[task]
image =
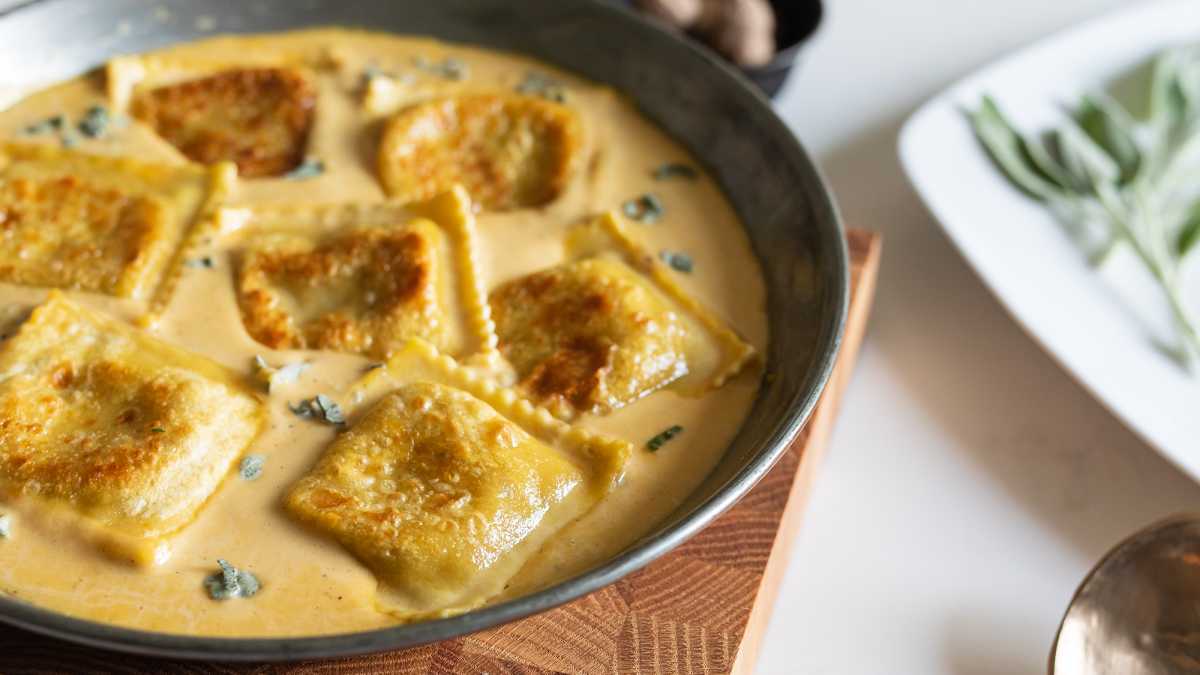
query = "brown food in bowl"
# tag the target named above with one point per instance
(258, 118)
(509, 151)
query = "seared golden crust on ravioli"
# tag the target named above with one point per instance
(609, 326)
(363, 290)
(509, 151)
(128, 432)
(63, 232)
(590, 333)
(431, 489)
(258, 118)
(447, 484)
(93, 223)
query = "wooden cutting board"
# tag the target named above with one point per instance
(701, 609)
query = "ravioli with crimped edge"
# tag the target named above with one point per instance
(361, 278)
(446, 484)
(509, 150)
(102, 224)
(255, 112)
(609, 326)
(125, 434)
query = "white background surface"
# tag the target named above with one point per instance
(970, 483)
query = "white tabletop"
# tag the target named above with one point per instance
(970, 483)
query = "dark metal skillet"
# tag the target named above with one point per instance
(775, 188)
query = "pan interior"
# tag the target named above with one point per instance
(773, 186)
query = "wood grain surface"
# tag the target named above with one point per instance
(701, 609)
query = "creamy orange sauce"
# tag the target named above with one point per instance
(310, 585)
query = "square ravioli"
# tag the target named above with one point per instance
(257, 112)
(362, 278)
(101, 224)
(446, 484)
(128, 432)
(510, 151)
(609, 326)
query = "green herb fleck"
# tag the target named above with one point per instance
(451, 68)
(331, 411)
(374, 366)
(454, 69)
(69, 139)
(251, 467)
(680, 262)
(1189, 232)
(539, 84)
(46, 126)
(231, 582)
(657, 442)
(205, 263)
(311, 167)
(371, 72)
(95, 122)
(320, 407)
(675, 170)
(303, 409)
(157, 430)
(645, 209)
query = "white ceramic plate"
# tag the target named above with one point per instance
(1101, 325)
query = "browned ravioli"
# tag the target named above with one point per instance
(440, 495)
(258, 118)
(590, 333)
(509, 151)
(360, 290)
(62, 231)
(130, 433)
(101, 224)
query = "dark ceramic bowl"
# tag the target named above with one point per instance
(795, 23)
(707, 105)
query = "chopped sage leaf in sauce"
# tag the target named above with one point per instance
(375, 365)
(47, 125)
(311, 167)
(251, 467)
(664, 436)
(675, 170)
(231, 582)
(680, 262)
(95, 122)
(157, 430)
(331, 411)
(451, 68)
(538, 84)
(371, 72)
(320, 407)
(5, 526)
(646, 209)
(301, 409)
(205, 262)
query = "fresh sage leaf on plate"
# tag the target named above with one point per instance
(1009, 150)
(1112, 129)
(1114, 180)
(1189, 234)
